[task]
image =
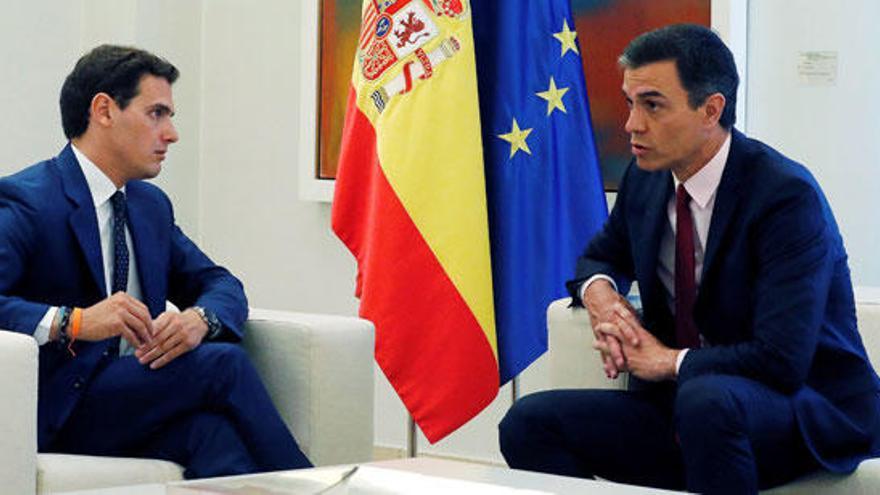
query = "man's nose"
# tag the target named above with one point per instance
(635, 122)
(170, 135)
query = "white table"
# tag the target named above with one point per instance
(313, 480)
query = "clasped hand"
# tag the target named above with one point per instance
(622, 341)
(156, 342)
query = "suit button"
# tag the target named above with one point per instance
(106, 353)
(78, 383)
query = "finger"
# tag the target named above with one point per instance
(608, 330)
(611, 370)
(616, 352)
(138, 317)
(142, 313)
(611, 336)
(169, 356)
(162, 344)
(602, 347)
(137, 327)
(628, 333)
(130, 337)
(171, 326)
(162, 322)
(607, 362)
(613, 358)
(627, 324)
(148, 355)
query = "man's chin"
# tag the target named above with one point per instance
(152, 171)
(649, 165)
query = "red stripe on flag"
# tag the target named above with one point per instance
(428, 342)
(367, 25)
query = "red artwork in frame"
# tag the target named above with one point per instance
(604, 29)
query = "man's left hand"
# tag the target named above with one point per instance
(648, 359)
(175, 334)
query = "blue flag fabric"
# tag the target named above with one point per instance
(544, 188)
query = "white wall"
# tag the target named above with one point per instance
(40, 41)
(834, 130)
(32, 77)
(251, 218)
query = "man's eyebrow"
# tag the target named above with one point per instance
(161, 106)
(650, 93)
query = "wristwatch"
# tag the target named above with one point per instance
(210, 319)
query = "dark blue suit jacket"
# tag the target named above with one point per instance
(775, 300)
(50, 255)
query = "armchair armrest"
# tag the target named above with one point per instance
(319, 372)
(572, 361)
(18, 419)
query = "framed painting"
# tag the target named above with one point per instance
(340, 26)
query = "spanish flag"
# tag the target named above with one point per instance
(410, 204)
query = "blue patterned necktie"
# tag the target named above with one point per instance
(120, 247)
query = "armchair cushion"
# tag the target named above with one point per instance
(319, 372)
(18, 419)
(64, 472)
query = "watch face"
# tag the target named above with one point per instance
(213, 323)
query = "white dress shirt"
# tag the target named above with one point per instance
(702, 188)
(101, 189)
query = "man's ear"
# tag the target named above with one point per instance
(713, 108)
(101, 109)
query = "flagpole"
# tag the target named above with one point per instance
(514, 388)
(412, 443)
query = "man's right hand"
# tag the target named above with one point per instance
(119, 314)
(602, 301)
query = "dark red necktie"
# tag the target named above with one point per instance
(686, 332)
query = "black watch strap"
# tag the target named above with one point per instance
(210, 319)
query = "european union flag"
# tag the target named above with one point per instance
(543, 184)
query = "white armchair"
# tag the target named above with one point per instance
(571, 362)
(317, 368)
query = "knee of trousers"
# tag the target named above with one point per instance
(706, 408)
(219, 354)
(210, 425)
(214, 361)
(524, 421)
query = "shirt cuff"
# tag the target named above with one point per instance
(41, 333)
(679, 359)
(598, 276)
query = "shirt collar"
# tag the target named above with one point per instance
(99, 184)
(702, 185)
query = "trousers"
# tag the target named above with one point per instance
(207, 410)
(712, 434)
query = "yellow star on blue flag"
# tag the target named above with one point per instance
(553, 95)
(517, 139)
(566, 37)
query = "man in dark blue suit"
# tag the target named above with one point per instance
(746, 366)
(89, 255)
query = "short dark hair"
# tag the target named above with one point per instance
(112, 69)
(705, 64)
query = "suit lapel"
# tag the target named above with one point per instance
(83, 219)
(143, 236)
(725, 202)
(652, 231)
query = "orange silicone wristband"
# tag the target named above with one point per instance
(75, 324)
